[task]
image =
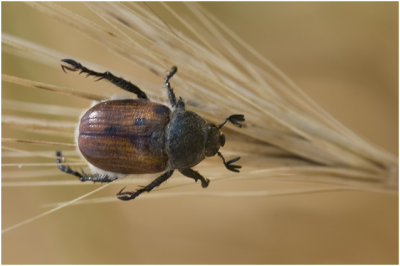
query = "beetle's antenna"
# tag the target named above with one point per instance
(229, 165)
(234, 119)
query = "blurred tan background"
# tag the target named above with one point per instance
(344, 55)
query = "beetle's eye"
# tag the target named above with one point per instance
(222, 139)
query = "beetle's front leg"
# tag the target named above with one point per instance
(81, 175)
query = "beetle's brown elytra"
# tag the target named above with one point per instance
(137, 136)
(140, 121)
(124, 136)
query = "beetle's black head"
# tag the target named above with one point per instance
(215, 140)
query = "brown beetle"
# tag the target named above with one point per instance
(136, 136)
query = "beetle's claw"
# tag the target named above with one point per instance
(172, 72)
(72, 65)
(127, 195)
(120, 192)
(205, 183)
(124, 198)
(63, 67)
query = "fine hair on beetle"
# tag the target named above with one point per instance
(138, 136)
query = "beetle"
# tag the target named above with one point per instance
(136, 136)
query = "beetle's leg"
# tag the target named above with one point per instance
(196, 176)
(171, 94)
(127, 195)
(229, 165)
(82, 176)
(120, 82)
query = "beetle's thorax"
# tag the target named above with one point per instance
(185, 139)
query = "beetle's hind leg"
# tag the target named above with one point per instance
(128, 195)
(81, 175)
(120, 82)
(196, 176)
